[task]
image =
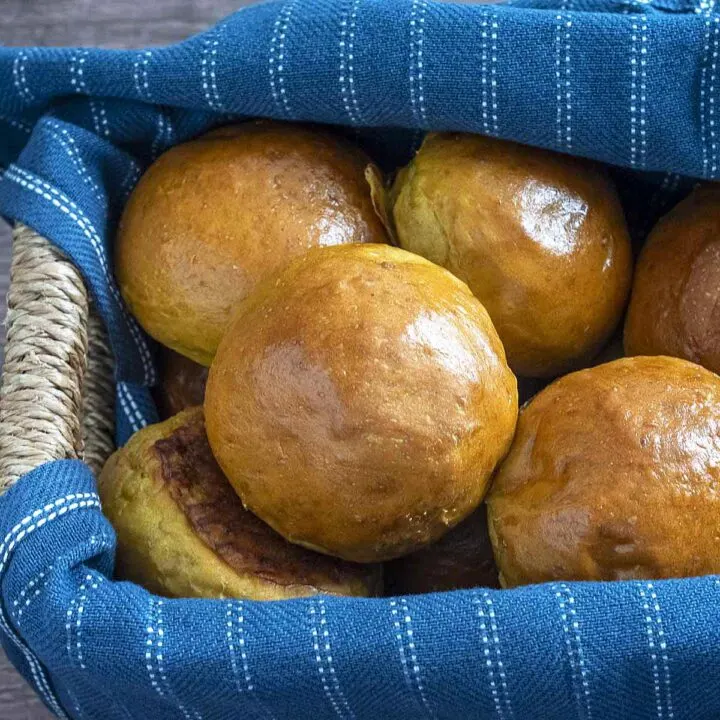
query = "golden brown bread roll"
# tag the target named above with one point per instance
(614, 474)
(675, 304)
(212, 217)
(183, 532)
(540, 238)
(182, 384)
(461, 559)
(360, 401)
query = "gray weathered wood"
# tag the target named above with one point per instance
(108, 23)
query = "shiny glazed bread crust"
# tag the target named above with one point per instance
(540, 238)
(212, 217)
(614, 474)
(675, 305)
(183, 532)
(360, 402)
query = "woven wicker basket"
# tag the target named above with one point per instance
(57, 394)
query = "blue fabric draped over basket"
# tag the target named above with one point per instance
(634, 83)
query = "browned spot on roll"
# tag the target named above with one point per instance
(248, 545)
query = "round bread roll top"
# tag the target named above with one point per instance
(540, 238)
(360, 401)
(182, 384)
(461, 559)
(614, 474)
(183, 532)
(675, 304)
(212, 217)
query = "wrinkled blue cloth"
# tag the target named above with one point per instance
(635, 84)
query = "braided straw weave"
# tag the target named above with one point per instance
(57, 396)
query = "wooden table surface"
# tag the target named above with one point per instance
(108, 23)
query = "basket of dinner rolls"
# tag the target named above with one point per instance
(333, 419)
(438, 379)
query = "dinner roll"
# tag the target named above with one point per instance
(183, 532)
(540, 238)
(360, 402)
(614, 474)
(212, 217)
(675, 305)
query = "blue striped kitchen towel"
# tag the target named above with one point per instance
(634, 83)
